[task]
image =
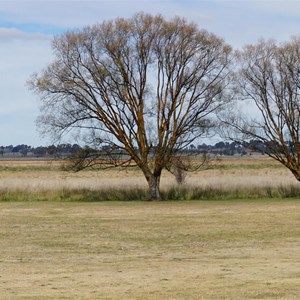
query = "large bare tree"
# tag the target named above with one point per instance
(144, 85)
(268, 74)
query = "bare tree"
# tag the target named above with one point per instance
(269, 75)
(143, 86)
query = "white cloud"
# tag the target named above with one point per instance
(69, 14)
(8, 35)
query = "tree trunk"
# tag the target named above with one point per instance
(153, 183)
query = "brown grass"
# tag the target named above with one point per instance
(136, 250)
(194, 250)
(222, 173)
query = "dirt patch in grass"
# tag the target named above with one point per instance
(134, 250)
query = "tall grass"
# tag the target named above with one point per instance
(224, 179)
(213, 193)
(69, 194)
(175, 193)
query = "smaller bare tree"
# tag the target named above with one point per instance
(268, 74)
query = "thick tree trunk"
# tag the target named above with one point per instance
(153, 183)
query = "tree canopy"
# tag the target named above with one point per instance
(268, 74)
(144, 85)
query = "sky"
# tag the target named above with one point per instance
(28, 27)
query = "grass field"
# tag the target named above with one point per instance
(139, 250)
(59, 239)
(231, 178)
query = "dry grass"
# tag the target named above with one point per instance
(193, 250)
(36, 176)
(136, 250)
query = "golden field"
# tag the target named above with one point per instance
(167, 250)
(231, 249)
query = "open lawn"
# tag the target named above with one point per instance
(140, 250)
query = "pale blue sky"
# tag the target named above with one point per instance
(27, 28)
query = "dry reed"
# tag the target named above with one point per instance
(236, 178)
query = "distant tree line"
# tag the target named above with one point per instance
(40, 151)
(221, 148)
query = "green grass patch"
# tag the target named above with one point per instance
(176, 193)
(210, 193)
(73, 195)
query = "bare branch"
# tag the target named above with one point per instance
(150, 86)
(268, 75)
